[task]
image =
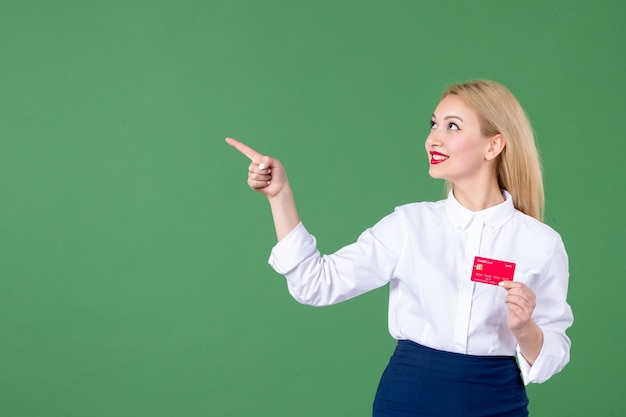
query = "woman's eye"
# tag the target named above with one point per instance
(453, 126)
(433, 125)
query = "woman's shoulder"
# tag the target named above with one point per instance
(536, 228)
(411, 216)
(422, 207)
(421, 212)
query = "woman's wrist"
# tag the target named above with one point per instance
(284, 212)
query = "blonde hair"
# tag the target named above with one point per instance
(518, 166)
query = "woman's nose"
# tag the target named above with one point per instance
(433, 139)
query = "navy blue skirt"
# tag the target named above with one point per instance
(420, 381)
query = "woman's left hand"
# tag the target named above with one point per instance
(521, 301)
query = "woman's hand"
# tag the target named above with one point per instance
(265, 174)
(522, 301)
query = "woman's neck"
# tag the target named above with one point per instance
(479, 197)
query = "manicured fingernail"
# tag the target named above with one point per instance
(262, 165)
(269, 171)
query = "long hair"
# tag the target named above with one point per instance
(518, 166)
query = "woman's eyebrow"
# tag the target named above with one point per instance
(448, 117)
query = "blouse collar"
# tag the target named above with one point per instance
(493, 217)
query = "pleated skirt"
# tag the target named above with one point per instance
(425, 382)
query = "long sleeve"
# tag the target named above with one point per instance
(554, 316)
(319, 280)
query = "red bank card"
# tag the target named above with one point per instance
(492, 271)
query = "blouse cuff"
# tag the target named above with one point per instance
(292, 250)
(524, 366)
(550, 361)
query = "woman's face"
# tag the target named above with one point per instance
(456, 148)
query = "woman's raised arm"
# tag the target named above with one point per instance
(267, 176)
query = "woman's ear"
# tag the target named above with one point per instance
(496, 146)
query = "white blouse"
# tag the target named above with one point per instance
(425, 251)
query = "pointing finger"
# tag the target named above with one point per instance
(244, 149)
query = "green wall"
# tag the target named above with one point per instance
(133, 257)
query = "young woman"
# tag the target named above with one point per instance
(465, 347)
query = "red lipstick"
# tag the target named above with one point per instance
(437, 157)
